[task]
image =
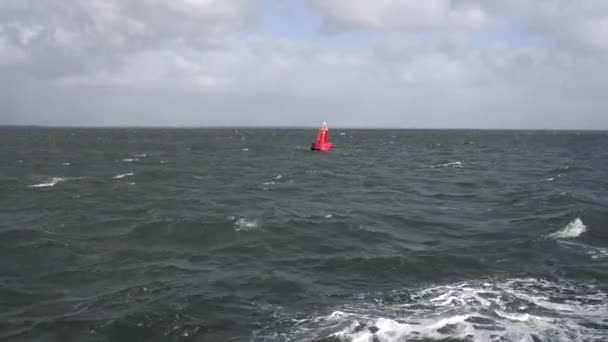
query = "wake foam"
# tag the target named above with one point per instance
(572, 230)
(513, 310)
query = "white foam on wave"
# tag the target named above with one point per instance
(246, 224)
(598, 253)
(270, 183)
(511, 310)
(456, 164)
(123, 175)
(572, 230)
(245, 149)
(593, 251)
(141, 155)
(66, 164)
(129, 160)
(49, 183)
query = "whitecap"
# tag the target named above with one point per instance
(123, 175)
(142, 155)
(328, 216)
(598, 252)
(456, 164)
(593, 251)
(66, 164)
(245, 224)
(49, 183)
(128, 160)
(270, 183)
(572, 230)
(245, 149)
(551, 179)
(279, 176)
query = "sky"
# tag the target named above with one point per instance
(517, 64)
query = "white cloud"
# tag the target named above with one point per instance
(183, 62)
(402, 14)
(72, 37)
(569, 24)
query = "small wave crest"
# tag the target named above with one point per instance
(49, 183)
(123, 175)
(511, 310)
(456, 164)
(572, 230)
(246, 224)
(593, 251)
(128, 160)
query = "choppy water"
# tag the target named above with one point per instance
(246, 235)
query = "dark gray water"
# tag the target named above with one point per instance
(246, 235)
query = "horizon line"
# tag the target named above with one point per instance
(294, 127)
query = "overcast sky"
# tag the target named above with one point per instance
(364, 63)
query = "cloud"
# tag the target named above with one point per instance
(189, 62)
(74, 37)
(402, 14)
(569, 24)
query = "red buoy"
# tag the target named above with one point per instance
(321, 143)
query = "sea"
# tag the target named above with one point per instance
(243, 234)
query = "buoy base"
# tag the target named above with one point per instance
(320, 146)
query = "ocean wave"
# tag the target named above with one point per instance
(123, 175)
(572, 230)
(456, 164)
(128, 160)
(246, 224)
(49, 183)
(593, 251)
(511, 310)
